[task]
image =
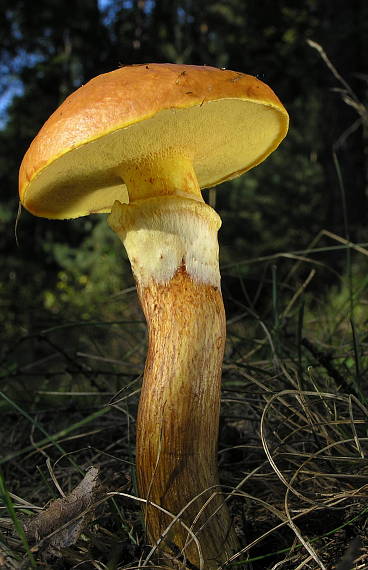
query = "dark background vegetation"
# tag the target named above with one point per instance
(46, 53)
(68, 313)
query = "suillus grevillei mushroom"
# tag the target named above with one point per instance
(140, 143)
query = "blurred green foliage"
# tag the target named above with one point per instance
(67, 270)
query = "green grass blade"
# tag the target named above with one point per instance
(49, 438)
(17, 524)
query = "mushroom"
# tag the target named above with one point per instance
(141, 142)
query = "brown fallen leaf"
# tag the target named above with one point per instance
(61, 523)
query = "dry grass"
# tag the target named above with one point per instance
(293, 440)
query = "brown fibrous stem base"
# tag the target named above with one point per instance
(177, 427)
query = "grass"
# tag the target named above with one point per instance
(293, 446)
(293, 440)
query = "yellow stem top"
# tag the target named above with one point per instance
(160, 176)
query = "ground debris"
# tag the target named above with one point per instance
(352, 552)
(61, 523)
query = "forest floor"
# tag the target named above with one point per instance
(293, 445)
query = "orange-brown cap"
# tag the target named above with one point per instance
(225, 122)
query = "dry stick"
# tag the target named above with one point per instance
(312, 249)
(298, 293)
(352, 98)
(346, 242)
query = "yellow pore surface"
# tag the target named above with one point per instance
(213, 142)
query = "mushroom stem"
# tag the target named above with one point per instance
(160, 176)
(178, 284)
(178, 416)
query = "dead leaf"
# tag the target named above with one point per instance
(62, 522)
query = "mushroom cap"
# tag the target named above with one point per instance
(225, 122)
